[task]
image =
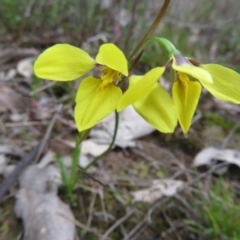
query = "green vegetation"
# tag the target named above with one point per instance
(214, 119)
(72, 178)
(219, 213)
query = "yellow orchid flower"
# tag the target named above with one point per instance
(151, 100)
(188, 79)
(223, 83)
(96, 97)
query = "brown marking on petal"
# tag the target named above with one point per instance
(183, 82)
(194, 62)
(181, 60)
(168, 63)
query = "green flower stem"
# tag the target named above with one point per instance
(166, 44)
(110, 146)
(83, 135)
(151, 29)
(135, 61)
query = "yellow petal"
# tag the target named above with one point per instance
(139, 87)
(63, 62)
(226, 83)
(111, 56)
(185, 97)
(196, 72)
(158, 109)
(94, 103)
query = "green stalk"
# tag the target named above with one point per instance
(83, 135)
(110, 146)
(166, 44)
(151, 29)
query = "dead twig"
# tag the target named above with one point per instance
(137, 228)
(216, 25)
(156, 164)
(165, 151)
(118, 223)
(12, 178)
(24, 19)
(101, 196)
(28, 159)
(84, 227)
(45, 138)
(92, 203)
(147, 219)
(91, 230)
(230, 135)
(44, 87)
(172, 225)
(30, 123)
(117, 196)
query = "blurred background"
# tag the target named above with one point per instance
(202, 202)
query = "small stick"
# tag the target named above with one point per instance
(46, 137)
(92, 203)
(31, 157)
(117, 223)
(25, 161)
(19, 124)
(227, 139)
(147, 219)
(171, 225)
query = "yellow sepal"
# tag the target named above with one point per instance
(226, 83)
(157, 108)
(63, 62)
(196, 72)
(185, 95)
(111, 56)
(139, 87)
(93, 103)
